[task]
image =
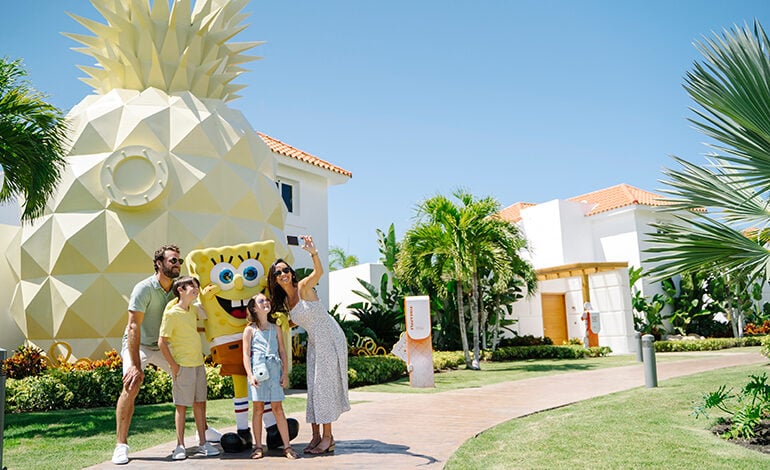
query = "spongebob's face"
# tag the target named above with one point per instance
(238, 272)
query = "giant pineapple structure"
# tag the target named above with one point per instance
(156, 157)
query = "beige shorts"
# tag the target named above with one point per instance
(189, 386)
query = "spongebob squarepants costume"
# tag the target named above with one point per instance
(237, 273)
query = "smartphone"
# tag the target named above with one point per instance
(292, 240)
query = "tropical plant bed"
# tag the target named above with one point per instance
(760, 442)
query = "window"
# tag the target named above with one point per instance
(287, 194)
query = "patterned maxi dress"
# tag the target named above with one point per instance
(327, 362)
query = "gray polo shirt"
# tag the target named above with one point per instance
(150, 298)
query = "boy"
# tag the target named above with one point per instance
(180, 344)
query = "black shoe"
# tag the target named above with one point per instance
(274, 440)
(245, 435)
(231, 443)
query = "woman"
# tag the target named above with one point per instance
(327, 349)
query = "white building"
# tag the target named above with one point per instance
(343, 283)
(304, 182)
(581, 248)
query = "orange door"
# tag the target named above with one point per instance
(554, 317)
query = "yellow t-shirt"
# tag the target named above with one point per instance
(180, 326)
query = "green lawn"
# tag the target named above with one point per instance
(636, 429)
(494, 372)
(80, 438)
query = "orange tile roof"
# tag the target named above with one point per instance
(603, 200)
(618, 196)
(287, 150)
(513, 212)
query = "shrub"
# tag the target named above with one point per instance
(765, 346)
(443, 360)
(27, 361)
(708, 344)
(547, 352)
(218, 386)
(112, 360)
(753, 330)
(62, 388)
(298, 378)
(156, 387)
(110, 384)
(36, 393)
(362, 370)
(84, 386)
(526, 340)
(746, 409)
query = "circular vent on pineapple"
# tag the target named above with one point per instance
(134, 176)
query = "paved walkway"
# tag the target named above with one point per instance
(399, 431)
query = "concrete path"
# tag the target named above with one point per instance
(399, 431)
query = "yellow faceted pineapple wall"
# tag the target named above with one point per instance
(156, 157)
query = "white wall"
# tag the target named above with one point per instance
(611, 297)
(558, 233)
(342, 282)
(310, 216)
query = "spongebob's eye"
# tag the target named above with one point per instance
(252, 271)
(223, 275)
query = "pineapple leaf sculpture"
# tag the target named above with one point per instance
(156, 157)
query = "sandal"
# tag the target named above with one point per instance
(290, 454)
(312, 445)
(257, 454)
(328, 450)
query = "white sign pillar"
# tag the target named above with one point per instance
(419, 346)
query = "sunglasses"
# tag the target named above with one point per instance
(178, 261)
(279, 271)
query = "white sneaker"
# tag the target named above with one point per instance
(212, 435)
(179, 453)
(207, 450)
(120, 455)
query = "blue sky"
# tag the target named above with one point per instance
(519, 100)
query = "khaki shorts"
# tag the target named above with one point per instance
(189, 386)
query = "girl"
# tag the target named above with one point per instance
(262, 340)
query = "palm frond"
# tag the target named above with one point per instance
(32, 142)
(691, 245)
(698, 187)
(732, 88)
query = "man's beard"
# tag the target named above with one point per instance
(170, 273)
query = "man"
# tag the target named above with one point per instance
(140, 341)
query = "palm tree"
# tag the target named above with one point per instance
(503, 275)
(432, 250)
(338, 259)
(32, 141)
(732, 88)
(455, 242)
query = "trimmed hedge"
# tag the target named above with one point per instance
(57, 389)
(518, 353)
(708, 344)
(443, 360)
(362, 370)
